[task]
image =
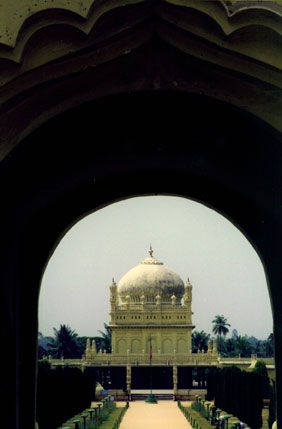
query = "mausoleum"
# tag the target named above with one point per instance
(151, 307)
(151, 326)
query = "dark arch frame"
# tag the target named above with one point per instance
(146, 143)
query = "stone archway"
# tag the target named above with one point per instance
(56, 58)
(83, 177)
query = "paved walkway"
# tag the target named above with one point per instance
(163, 415)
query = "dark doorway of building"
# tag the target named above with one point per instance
(161, 377)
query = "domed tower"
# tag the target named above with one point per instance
(155, 306)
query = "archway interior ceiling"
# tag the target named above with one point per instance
(159, 149)
(254, 32)
(46, 53)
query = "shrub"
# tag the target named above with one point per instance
(272, 405)
(260, 368)
(61, 393)
(239, 393)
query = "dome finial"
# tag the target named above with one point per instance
(151, 251)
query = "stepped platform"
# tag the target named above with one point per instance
(161, 395)
(167, 394)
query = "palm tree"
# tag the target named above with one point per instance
(105, 341)
(243, 346)
(220, 325)
(200, 341)
(220, 328)
(65, 343)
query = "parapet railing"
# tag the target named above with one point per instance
(207, 359)
(141, 359)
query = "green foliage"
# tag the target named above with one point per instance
(195, 418)
(260, 368)
(43, 347)
(272, 405)
(243, 346)
(210, 384)
(65, 343)
(43, 366)
(105, 341)
(110, 417)
(199, 341)
(113, 417)
(62, 393)
(220, 325)
(239, 393)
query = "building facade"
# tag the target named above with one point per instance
(151, 323)
(151, 311)
(151, 328)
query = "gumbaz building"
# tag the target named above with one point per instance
(151, 327)
(151, 307)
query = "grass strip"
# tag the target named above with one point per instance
(198, 419)
(112, 410)
(205, 424)
(109, 423)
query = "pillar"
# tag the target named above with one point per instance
(174, 372)
(128, 380)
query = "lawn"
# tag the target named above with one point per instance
(204, 424)
(108, 424)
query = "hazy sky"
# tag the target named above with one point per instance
(191, 239)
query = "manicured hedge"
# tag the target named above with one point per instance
(62, 393)
(237, 392)
(210, 384)
(272, 405)
(260, 368)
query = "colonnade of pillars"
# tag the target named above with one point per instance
(166, 377)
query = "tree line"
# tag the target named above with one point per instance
(235, 346)
(67, 344)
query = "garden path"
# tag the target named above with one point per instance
(163, 415)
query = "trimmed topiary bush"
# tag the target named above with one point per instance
(272, 405)
(61, 393)
(239, 393)
(260, 368)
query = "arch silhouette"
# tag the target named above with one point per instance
(167, 346)
(170, 143)
(121, 346)
(135, 346)
(182, 346)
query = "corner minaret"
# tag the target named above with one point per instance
(187, 300)
(113, 301)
